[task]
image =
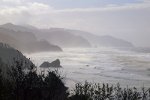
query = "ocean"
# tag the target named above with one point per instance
(99, 65)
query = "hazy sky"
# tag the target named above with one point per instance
(126, 19)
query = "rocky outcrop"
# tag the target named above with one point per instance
(54, 64)
(24, 40)
(102, 41)
(63, 38)
(45, 64)
(10, 57)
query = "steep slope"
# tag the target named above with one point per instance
(22, 39)
(64, 38)
(106, 41)
(14, 27)
(67, 37)
(54, 35)
(76, 38)
(9, 55)
(8, 39)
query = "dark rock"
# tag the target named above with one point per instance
(45, 64)
(87, 65)
(54, 64)
(11, 58)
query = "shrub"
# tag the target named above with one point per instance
(28, 85)
(89, 91)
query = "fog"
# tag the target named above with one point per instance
(128, 19)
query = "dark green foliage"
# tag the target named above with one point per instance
(28, 85)
(89, 91)
(1, 85)
(23, 84)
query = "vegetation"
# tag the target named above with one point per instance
(23, 84)
(89, 91)
(28, 85)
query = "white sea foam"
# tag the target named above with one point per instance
(100, 65)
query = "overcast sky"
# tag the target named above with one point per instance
(126, 19)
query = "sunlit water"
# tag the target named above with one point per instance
(100, 65)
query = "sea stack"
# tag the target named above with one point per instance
(54, 64)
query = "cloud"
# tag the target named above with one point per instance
(22, 12)
(110, 8)
(145, 1)
(44, 8)
(12, 1)
(28, 7)
(128, 21)
(40, 8)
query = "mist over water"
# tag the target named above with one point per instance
(107, 65)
